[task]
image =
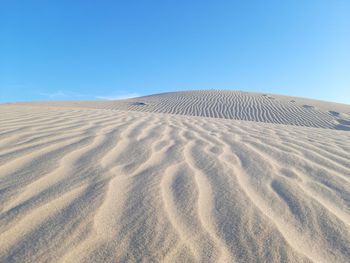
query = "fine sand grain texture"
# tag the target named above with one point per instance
(201, 176)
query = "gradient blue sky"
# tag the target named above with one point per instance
(58, 50)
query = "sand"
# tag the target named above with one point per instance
(202, 176)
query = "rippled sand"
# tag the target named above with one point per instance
(80, 182)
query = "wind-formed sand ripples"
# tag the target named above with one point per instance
(85, 185)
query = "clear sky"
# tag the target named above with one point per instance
(58, 50)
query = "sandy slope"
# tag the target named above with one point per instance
(84, 184)
(236, 105)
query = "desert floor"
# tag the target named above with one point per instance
(202, 176)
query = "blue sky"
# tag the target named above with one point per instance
(58, 50)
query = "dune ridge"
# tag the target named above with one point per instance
(82, 184)
(236, 105)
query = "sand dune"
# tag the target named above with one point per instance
(236, 105)
(79, 183)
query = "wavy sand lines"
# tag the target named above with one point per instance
(81, 184)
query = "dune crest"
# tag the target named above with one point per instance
(235, 105)
(79, 183)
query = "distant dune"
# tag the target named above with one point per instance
(195, 176)
(236, 105)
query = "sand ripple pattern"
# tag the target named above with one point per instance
(236, 105)
(89, 185)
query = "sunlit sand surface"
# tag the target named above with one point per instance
(201, 176)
